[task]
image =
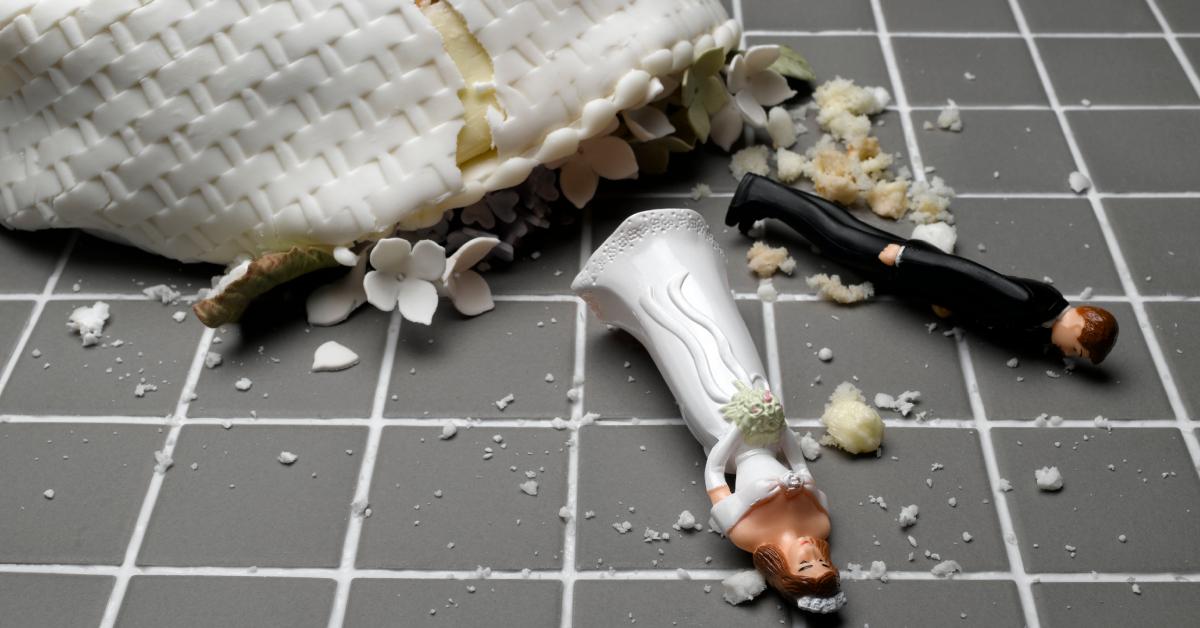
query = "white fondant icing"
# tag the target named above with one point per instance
(238, 128)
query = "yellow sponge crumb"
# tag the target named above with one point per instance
(831, 288)
(850, 423)
(765, 260)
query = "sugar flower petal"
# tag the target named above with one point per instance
(418, 300)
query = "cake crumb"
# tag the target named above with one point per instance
(752, 159)
(743, 586)
(908, 516)
(529, 487)
(1048, 478)
(448, 431)
(505, 401)
(287, 458)
(243, 384)
(946, 568)
(850, 423)
(88, 321)
(765, 260)
(701, 190)
(825, 354)
(1079, 182)
(950, 118)
(831, 288)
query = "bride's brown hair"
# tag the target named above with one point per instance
(769, 560)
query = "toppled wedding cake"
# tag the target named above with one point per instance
(240, 129)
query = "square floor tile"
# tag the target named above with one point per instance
(28, 259)
(1131, 151)
(448, 504)
(98, 475)
(620, 481)
(1063, 604)
(36, 600)
(1154, 235)
(936, 16)
(1026, 148)
(813, 15)
(855, 57)
(1124, 386)
(931, 604)
(461, 364)
(1059, 238)
(103, 266)
(274, 351)
(903, 475)
(1191, 48)
(622, 380)
(607, 603)
(880, 346)
(1182, 15)
(1088, 16)
(1113, 484)
(418, 603)
(202, 601)
(934, 70)
(547, 262)
(141, 344)
(1083, 69)
(1177, 327)
(241, 507)
(14, 315)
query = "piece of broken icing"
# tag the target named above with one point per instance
(404, 277)
(850, 423)
(940, 234)
(743, 586)
(1048, 479)
(88, 321)
(333, 356)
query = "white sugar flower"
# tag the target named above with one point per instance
(604, 156)
(647, 123)
(755, 86)
(465, 287)
(404, 276)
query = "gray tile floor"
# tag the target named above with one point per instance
(380, 522)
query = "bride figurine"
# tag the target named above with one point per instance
(660, 277)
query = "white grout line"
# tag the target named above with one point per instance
(915, 163)
(129, 562)
(35, 314)
(362, 490)
(1173, 42)
(1127, 283)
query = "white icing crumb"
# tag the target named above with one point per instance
(1079, 182)
(825, 354)
(287, 457)
(810, 447)
(162, 462)
(966, 537)
(88, 321)
(908, 516)
(1136, 588)
(1048, 478)
(686, 521)
(212, 359)
(877, 571)
(243, 384)
(682, 574)
(946, 568)
(48, 493)
(505, 401)
(161, 293)
(529, 487)
(1004, 485)
(767, 291)
(179, 316)
(752, 159)
(902, 403)
(622, 527)
(743, 586)
(564, 513)
(950, 118)
(448, 431)
(831, 288)
(780, 127)
(940, 234)
(850, 423)
(333, 356)
(765, 260)
(1012, 363)
(701, 190)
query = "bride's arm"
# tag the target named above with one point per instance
(718, 459)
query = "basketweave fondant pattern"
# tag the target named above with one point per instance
(209, 129)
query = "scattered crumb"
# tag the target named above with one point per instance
(162, 462)
(529, 487)
(1012, 363)
(622, 527)
(1079, 182)
(825, 354)
(765, 260)
(701, 190)
(831, 288)
(243, 384)
(940, 234)
(767, 291)
(448, 431)
(505, 401)
(88, 321)
(333, 356)
(1048, 478)
(179, 316)
(1004, 485)
(810, 447)
(950, 118)
(946, 568)
(844, 107)
(908, 516)
(752, 159)
(161, 293)
(850, 423)
(140, 390)
(903, 403)
(789, 164)
(212, 359)
(877, 571)
(686, 521)
(743, 586)
(287, 457)
(48, 493)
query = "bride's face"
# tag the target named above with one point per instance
(804, 559)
